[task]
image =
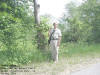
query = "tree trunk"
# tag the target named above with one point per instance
(36, 12)
(37, 22)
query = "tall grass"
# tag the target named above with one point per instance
(21, 57)
(71, 49)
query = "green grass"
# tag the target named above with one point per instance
(72, 49)
(21, 57)
(69, 50)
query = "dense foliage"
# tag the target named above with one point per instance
(18, 32)
(81, 23)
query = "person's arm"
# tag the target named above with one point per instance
(59, 40)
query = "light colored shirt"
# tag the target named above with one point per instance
(56, 34)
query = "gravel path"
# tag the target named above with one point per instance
(94, 70)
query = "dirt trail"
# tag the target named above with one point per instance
(94, 70)
(63, 67)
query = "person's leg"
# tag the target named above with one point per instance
(52, 48)
(56, 52)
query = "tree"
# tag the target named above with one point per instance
(77, 29)
(16, 31)
(83, 21)
(90, 15)
(40, 36)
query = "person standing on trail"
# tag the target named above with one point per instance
(55, 34)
